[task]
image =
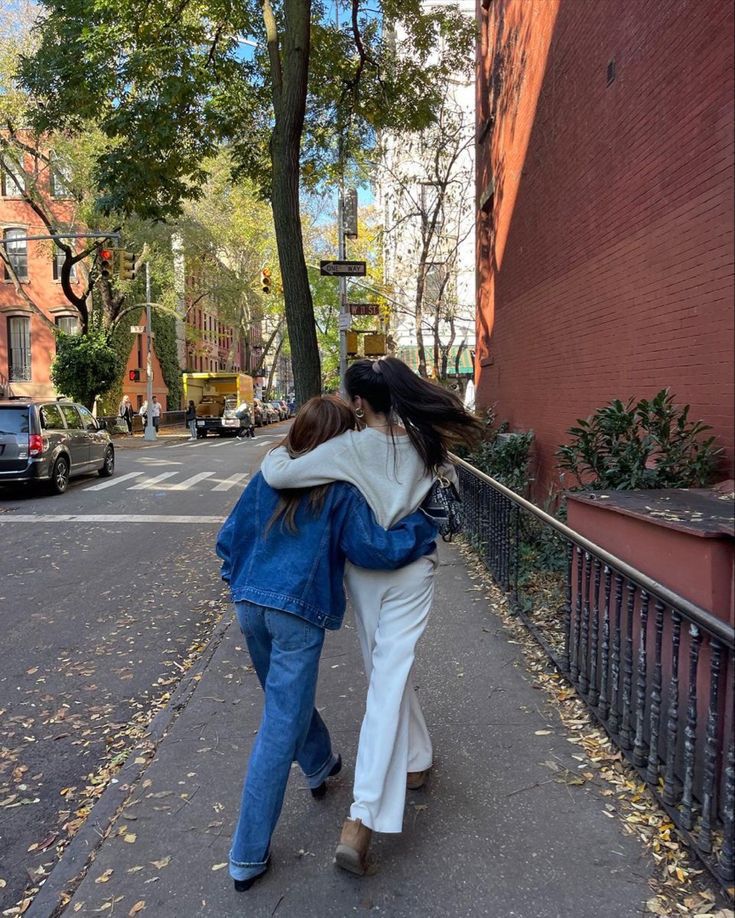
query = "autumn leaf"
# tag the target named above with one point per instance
(104, 877)
(130, 837)
(219, 866)
(164, 862)
(138, 907)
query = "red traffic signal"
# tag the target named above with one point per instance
(134, 375)
(106, 257)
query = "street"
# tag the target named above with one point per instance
(106, 602)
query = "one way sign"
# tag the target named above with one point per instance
(343, 268)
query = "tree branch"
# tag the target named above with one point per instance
(274, 53)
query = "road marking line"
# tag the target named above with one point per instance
(107, 518)
(222, 442)
(231, 481)
(187, 483)
(150, 483)
(114, 481)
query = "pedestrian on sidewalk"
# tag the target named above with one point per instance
(191, 420)
(156, 412)
(125, 412)
(283, 610)
(143, 412)
(409, 425)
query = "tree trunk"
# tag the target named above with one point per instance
(272, 372)
(419, 316)
(289, 75)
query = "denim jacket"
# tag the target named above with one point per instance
(301, 572)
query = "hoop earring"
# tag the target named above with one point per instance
(359, 413)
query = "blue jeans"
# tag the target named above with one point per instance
(285, 651)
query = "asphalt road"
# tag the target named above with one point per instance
(107, 594)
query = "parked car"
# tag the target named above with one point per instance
(280, 409)
(273, 416)
(51, 441)
(260, 415)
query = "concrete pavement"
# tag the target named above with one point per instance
(492, 834)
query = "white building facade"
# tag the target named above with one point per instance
(426, 192)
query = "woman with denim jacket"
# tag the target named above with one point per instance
(410, 423)
(284, 609)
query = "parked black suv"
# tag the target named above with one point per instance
(43, 440)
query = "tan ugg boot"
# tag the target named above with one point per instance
(416, 779)
(352, 850)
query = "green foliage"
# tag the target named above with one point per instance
(644, 444)
(504, 456)
(164, 329)
(167, 89)
(85, 366)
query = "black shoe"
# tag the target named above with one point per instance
(320, 791)
(244, 885)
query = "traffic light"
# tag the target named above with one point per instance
(134, 375)
(106, 263)
(265, 280)
(351, 343)
(374, 345)
(126, 265)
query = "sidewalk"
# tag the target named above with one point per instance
(492, 833)
(138, 441)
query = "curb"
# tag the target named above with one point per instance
(75, 858)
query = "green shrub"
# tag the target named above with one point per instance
(85, 366)
(504, 456)
(645, 444)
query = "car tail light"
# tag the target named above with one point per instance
(36, 445)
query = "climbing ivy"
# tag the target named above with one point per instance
(164, 328)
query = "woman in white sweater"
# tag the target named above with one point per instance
(409, 425)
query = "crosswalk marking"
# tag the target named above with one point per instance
(111, 482)
(150, 483)
(187, 483)
(108, 518)
(231, 481)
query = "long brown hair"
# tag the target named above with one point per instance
(320, 419)
(435, 419)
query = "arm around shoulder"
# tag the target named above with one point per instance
(320, 466)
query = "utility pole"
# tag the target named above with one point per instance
(150, 430)
(344, 315)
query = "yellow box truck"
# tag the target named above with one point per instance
(223, 401)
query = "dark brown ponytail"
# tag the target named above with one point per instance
(435, 418)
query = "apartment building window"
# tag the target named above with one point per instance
(19, 352)
(17, 251)
(68, 325)
(13, 181)
(58, 263)
(60, 178)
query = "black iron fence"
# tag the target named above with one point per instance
(654, 669)
(168, 419)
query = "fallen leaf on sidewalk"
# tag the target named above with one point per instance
(542, 732)
(134, 869)
(219, 866)
(104, 877)
(164, 862)
(138, 907)
(130, 837)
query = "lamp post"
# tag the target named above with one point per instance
(150, 430)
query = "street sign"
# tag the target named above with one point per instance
(137, 329)
(364, 309)
(343, 268)
(345, 322)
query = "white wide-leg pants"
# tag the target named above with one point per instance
(391, 611)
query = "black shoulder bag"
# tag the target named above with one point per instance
(443, 506)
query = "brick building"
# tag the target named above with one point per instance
(31, 312)
(605, 211)
(27, 339)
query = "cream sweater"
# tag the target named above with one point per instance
(387, 471)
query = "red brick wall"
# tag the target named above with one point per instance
(605, 256)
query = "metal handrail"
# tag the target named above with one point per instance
(699, 616)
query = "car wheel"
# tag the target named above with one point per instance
(108, 465)
(60, 475)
